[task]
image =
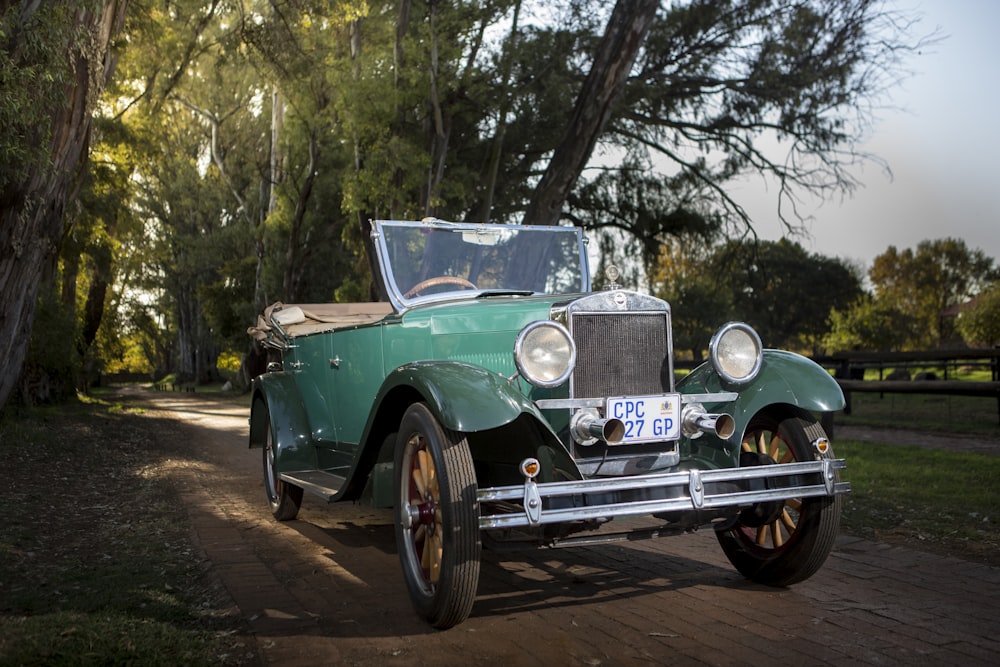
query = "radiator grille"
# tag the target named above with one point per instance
(621, 354)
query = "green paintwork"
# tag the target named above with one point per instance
(280, 396)
(463, 397)
(343, 390)
(785, 378)
(465, 353)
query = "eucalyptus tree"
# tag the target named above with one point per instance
(55, 59)
(174, 113)
(304, 119)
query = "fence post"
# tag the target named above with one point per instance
(995, 374)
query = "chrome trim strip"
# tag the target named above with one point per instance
(692, 482)
(571, 403)
(720, 397)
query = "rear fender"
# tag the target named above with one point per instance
(277, 395)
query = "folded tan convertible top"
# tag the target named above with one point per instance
(307, 318)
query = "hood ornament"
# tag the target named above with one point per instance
(612, 274)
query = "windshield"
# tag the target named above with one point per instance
(435, 260)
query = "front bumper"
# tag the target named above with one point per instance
(588, 499)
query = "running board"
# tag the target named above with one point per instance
(321, 483)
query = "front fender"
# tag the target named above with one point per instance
(276, 395)
(784, 378)
(464, 397)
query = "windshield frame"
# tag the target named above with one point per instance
(381, 230)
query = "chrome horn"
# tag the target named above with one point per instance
(695, 421)
(588, 427)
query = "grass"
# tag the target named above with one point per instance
(929, 412)
(99, 567)
(945, 500)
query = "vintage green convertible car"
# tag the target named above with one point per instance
(496, 401)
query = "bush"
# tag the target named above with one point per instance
(53, 362)
(979, 324)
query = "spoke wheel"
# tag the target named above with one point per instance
(436, 518)
(283, 498)
(784, 542)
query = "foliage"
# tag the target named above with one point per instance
(54, 62)
(53, 359)
(242, 147)
(777, 287)
(871, 324)
(697, 304)
(783, 291)
(649, 211)
(979, 323)
(34, 72)
(781, 89)
(925, 282)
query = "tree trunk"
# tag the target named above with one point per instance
(496, 148)
(32, 210)
(294, 262)
(627, 28)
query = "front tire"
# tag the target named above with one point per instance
(283, 498)
(779, 544)
(436, 518)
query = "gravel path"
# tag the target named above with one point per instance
(955, 442)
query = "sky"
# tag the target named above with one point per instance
(942, 146)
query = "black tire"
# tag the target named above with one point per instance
(436, 518)
(283, 498)
(779, 544)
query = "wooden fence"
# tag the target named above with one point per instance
(849, 368)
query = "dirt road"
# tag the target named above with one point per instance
(327, 588)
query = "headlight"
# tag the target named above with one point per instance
(544, 353)
(736, 353)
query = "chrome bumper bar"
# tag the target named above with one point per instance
(689, 487)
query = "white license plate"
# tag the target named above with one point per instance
(647, 418)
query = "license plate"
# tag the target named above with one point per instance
(647, 418)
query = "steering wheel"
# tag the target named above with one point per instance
(440, 280)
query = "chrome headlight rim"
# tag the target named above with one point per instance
(523, 358)
(721, 344)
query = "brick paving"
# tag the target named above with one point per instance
(327, 588)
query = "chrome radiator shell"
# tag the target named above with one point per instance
(624, 345)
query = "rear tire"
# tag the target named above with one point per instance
(436, 518)
(283, 498)
(779, 544)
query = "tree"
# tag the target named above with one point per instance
(58, 57)
(616, 53)
(869, 324)
(697, 304)
(979, 322)
(924, 283)
(780, 89)
(302, 120)
(783, 291)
